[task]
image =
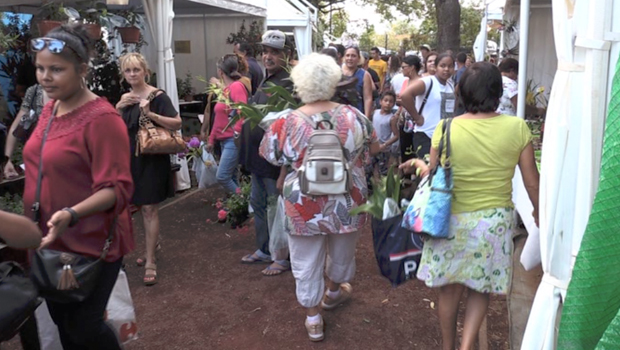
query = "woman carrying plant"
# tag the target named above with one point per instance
(434, 100)
(364, 80)
(234, 91)
(151, 173)
(322, 234)
(24, 124)
(477, 255)
(81, 149)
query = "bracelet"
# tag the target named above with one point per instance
(74, 216)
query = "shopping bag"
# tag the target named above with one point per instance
(120, 314)
(397, 250)
(278, 238)
(48, 332)
(412, 218)
(205, 169)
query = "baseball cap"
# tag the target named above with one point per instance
(426, 46)
(274, 39)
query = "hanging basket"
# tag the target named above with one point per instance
(129, 35)
(94, 30)
(46, 26)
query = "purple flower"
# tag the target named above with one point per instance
(194, 142)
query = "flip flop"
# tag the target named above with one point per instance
(275, 270)
(253, 259)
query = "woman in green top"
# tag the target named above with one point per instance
(477, 256)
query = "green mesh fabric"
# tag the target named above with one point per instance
(590, 318)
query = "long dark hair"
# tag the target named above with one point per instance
(229, 65)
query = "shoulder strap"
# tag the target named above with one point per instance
(428, 92)
(34, 97)
(145, 121)
(444, 142)
(36, 205)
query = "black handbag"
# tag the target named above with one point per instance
(19, 299)
(64, 277)
(28, 122)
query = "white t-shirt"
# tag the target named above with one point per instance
(432, 111)
(510, 90)
(397, 83)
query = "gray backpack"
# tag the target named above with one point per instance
(325, 169)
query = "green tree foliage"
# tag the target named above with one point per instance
(470, 24)
(446, 13)
(339, 22)
(252, 36)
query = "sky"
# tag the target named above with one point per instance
(358, 12)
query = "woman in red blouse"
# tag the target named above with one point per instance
(234, 91)
(86, 179)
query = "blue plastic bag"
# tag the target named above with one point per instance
(436, 220)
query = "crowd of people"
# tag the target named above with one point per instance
(83, 169)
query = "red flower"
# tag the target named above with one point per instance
(221, 215)
(238, 190)
(218, 205)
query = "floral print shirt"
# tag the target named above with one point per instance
(505, 103)
(285, 143)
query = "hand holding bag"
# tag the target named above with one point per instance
(152, 139)
(436, 219)
(62, 276)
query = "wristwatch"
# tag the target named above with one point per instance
(74, 216)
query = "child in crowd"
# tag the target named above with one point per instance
(385, 124)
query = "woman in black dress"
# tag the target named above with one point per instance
(152, 176)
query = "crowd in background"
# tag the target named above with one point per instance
(83, 170)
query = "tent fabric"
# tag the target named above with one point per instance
(160, 15)
(237, 5)
(303, 40)
(570, 164)
(593, 299)
(556, 205)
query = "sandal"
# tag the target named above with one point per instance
(275, 269)
(142, 261)
(150, 275)
(255, 259)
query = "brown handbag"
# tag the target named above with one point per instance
(152, 139)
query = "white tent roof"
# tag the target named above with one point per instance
(280, 13)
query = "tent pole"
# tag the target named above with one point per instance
(524, 33)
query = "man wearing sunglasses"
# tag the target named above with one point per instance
(277, 50)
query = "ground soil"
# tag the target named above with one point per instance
(207, 299)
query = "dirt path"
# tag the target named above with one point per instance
(206, 299)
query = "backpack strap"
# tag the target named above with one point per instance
(428, 92)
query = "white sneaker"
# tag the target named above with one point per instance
(315, 330)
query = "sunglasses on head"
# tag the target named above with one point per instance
(53, 45)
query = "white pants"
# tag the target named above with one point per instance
(308, 256)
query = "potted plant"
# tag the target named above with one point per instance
(93, 16)
(52, 15)
(130, 33)
(185, 89)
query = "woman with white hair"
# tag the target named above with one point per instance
(320, 227)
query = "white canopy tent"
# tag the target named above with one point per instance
(572, 149)
(297, 16)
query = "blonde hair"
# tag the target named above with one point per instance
(134, 59)
(316, 77)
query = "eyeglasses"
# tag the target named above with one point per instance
(53, 45)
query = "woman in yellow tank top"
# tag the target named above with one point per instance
(486, 147)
